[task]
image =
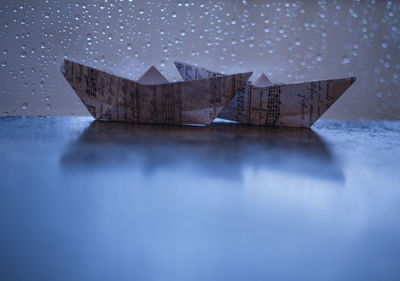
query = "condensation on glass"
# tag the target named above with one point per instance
(288, 40)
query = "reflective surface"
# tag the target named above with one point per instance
(289, 41)
(83, 200)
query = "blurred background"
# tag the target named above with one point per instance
(288, 40)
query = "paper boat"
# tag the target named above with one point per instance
(151, 99)
(264, 103)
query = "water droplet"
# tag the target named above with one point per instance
(173, 14)
(23, 55)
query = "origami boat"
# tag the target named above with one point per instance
(285, 105)
(151, 99)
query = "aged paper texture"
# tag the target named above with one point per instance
(109, 97)
(286, 105)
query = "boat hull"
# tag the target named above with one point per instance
(278, 105)
(113, 98)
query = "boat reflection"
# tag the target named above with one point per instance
(221, 150)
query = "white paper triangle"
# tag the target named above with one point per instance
(152, 77)
(262, 81)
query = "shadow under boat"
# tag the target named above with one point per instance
(221, 149)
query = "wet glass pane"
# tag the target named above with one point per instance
(288, 40)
